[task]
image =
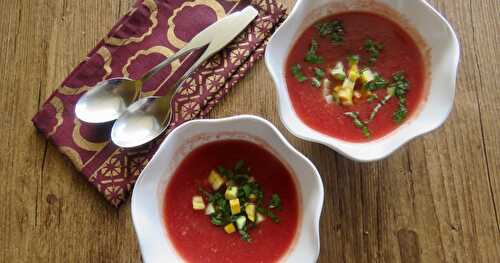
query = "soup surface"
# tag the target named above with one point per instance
(374, 73)
(193, 234)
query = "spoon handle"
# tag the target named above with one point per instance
(178, 84)
(168, 61)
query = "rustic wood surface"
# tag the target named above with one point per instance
(434, 200)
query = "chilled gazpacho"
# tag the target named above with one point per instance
(231, 201)
(356, 76)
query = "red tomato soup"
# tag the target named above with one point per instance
(191, 231)
(368, 41)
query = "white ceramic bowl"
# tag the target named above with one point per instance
(444, 56)
(149, 191)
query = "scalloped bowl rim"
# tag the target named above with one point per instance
(417, 126)
(147, 196)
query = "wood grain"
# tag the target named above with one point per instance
(434, 200)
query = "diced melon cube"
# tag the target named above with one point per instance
(367, 75)
(198, 203)
(346, 93)
(210, 209)
(326, 87)
(240, 222)
(391, 91)
(338, 71)
(229, 228)
(250, 210)
(215, 180)
(348, 84)
(260, 218)
(329, 99)
(345, 97)
(231, 193)
(235, 206)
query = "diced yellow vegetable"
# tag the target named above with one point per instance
(354, 73)
(230, 228)
(250, 210)
(252, 197)
(348, 84)
(260, 218)
(235, 206)
(346, 93)
(215, 180)
(367, 75)
(231, 193)
(198, 203)
(345, 97)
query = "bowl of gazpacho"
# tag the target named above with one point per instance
(363, 76)
(228, 190)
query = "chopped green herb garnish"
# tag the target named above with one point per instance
(334, 30)
(240, 166)
(319, 73)
(316, 82)
(366, 132)
(297, 73)
(379, 106)
(204, 192)
(237, 203)
(401, 86)
(372, 97)
(217, 220)
(226, 173)
(376, 84)
(311, 55)
(353, 60)
(358, 123)
(269, 214)
(246, 190)
(275, 201)
(400, 113)
(244, 235)
(373, 48)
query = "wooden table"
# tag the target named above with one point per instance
(434, 200)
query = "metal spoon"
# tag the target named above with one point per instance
(109, 99)
(148, 117)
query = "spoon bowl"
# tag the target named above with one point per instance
(108, 100)
(143, 121)
(147, 118)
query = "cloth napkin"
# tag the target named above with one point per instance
(149, 32)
